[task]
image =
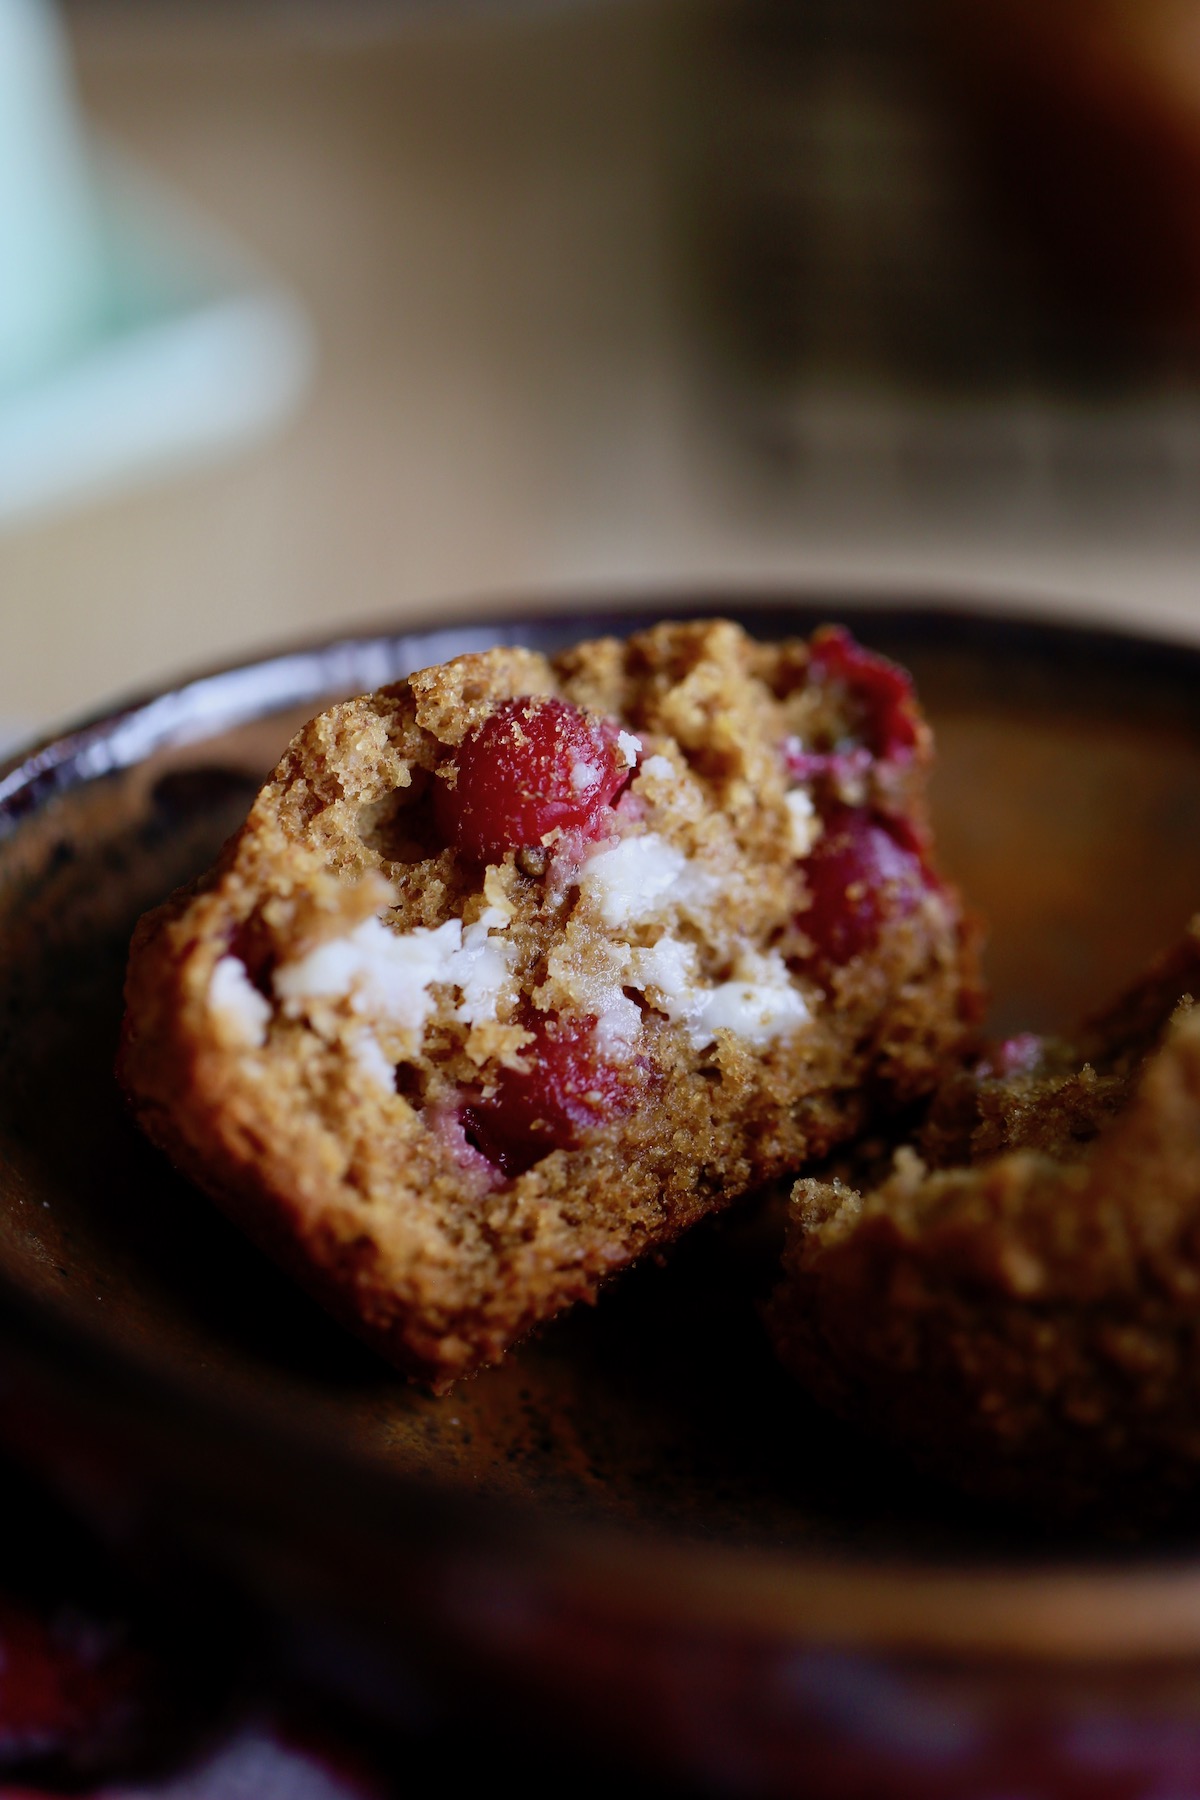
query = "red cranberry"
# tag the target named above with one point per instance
(533, 766)
(862, 872)
(879, 691)
(566, 1090)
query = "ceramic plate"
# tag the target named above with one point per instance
(637, 1523)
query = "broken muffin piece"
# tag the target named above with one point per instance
(1017, 1303)
(521, 966)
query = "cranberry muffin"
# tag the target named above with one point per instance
(523, 965)
(1016, 1302)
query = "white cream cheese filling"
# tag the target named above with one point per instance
(804, 822)
(371, 1061)
(758, 1004)
(389, 975)
(593, 982)
(241, 1011)
(636, 878)
(483, 968)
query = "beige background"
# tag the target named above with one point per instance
(484, 221)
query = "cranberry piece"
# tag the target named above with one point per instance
(880, 692)
(566, 1090)
(449, 1124)
(533, 766)
(863, 871)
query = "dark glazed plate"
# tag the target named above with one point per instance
(637, 1518)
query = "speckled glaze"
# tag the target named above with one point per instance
(636, 1533)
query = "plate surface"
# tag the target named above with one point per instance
(647, 1448)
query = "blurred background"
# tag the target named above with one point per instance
(321, 311)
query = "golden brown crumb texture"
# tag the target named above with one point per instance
(327, 1121)
(1018, 1303)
